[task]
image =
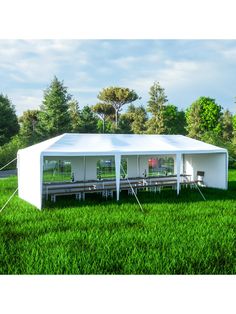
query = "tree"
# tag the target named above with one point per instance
(9, 152)
(204, 117)
(8, 120)
(88, 120)
(193, 119)
(74, 113)
(227, 126)
(103, 111)
(29, 127)
(55, 116)
(174, 120)
(117, 97)
(158, 98)
(234, 125)
(138, 117)
(125, 124)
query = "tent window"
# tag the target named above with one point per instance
(160, 166)
(106, 168)
(56, 171)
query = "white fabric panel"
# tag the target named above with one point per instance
(132, 166)
(91, 168)
(29, 165)
(93, 144)
(214, 166)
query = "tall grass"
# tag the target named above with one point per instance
(175, 235)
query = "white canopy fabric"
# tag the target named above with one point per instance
(93, 144)
(30, 159)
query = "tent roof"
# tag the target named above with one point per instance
(94, 144)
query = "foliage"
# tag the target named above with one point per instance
(234, 125)
(8, 152)
(193, 119)
(29, 127)
(138, 118)
(8, 120)
(227, 126)
(203, 120)
(174, 120)
(175, 235)
(158, 98)
(54, 115)
(124, 125)
(104, 112)
(204, 115)
(74, 113)
(117, 97)
(88, 120)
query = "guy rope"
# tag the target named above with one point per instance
(132, 189)
(14, 191)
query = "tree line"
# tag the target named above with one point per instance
(60, 113)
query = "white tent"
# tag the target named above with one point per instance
(83, 151)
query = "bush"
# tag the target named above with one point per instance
(9, 151)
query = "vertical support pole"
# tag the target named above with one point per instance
(178, 166)
(117, 166)
(183, 168)
(41, 181)
(226, 169)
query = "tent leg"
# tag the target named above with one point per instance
(178, 161)
(117, 166)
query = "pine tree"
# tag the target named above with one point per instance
(8, 120)
(54, 115)
(138, 117)
(117, 97)
(104, 112)
(193, 118)
(227, 126)
(156, 103)
(29, 127)
(74, 116)
(88, 121)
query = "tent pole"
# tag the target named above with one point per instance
(84, 176)
(117, 166)
(41, 180)
(178, 161)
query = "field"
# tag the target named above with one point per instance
(175, 235)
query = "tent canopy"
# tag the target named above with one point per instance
(94, 144)
(30, 159)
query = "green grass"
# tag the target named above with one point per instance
(49, 176)
(175, 235)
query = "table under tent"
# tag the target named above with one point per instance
(78, 164)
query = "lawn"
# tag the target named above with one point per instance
(175, 235)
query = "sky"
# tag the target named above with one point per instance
(187, 69)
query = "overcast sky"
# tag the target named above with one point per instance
(186, 69)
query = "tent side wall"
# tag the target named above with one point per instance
(214, 165)
(29, 164)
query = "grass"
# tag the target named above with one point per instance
(175, 235)
(50, 176)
